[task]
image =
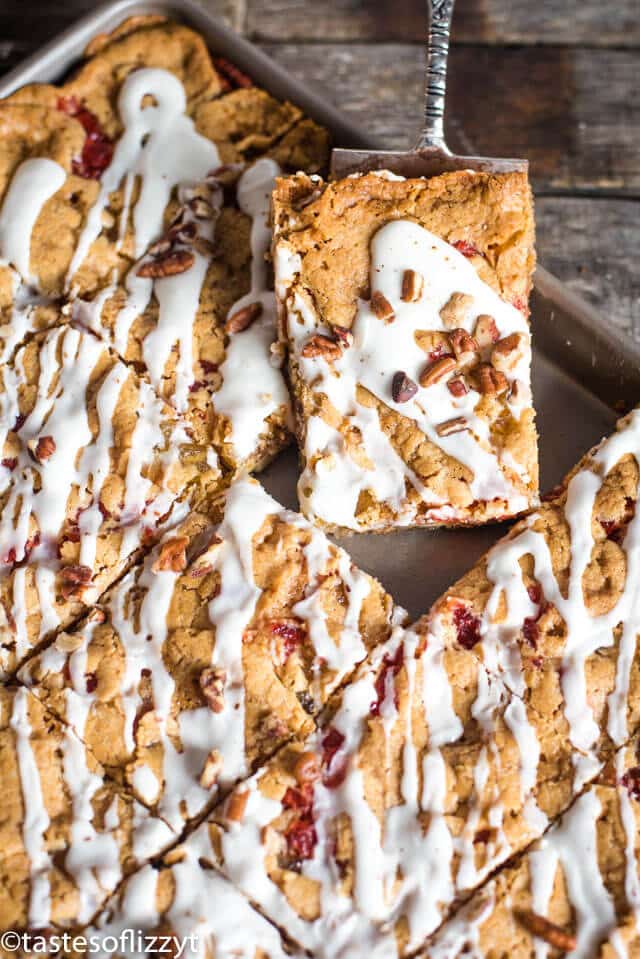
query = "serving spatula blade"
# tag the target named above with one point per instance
(431, 155)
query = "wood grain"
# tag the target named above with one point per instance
(590, 23)
(593, 245)
(549, 104)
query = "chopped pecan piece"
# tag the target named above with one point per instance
(412, 286)
(307, 768)
(343, 336)
(485, 332)
(381, 307)
(172, 556)
(211, 769)
(457, 425)
(491, 382)
(201, 208)
(45, 447)
(457, 386)
(243, 318)
(321, 345)
(454, 312)
(545, 929)
(508, 352)
(464, 346)
(402, 387)
(212, 680)
(172, 263)
(438, 371)
(74, 580)
(236, 805)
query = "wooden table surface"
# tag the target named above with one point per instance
(555, 81)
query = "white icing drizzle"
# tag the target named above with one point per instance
(161, 146)
(36, 819)
(34, 182)
(144, 636)
(205, 906)
(80, 461)
(92, 855)
(330, 488)
(401, 868)
(585, 633)
(252, 387)
(572, 844)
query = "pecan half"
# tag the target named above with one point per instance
(402, 387)
(74, 580)
(212, 680)
(236, 805)
(457, 425)
(172, 556)
(45, 447)
(455, 310)
(491, 381)
(211, 769)
(412, 286)
(243, 318)
(321, 345)
(438, 371)
(485, 332)
(545, 929)
(178, 261)
(381, 307)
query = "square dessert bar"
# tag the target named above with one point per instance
(403, 304)
(218, 649)
(575, 891)
(187, 897)
(91, 465)
(69, 836)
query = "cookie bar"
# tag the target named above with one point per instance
(218, 649)
(162, 209)
(186, 898)
(575, 891)
(554, 608)
(68, 835)
(403, 304)
(426, 776)
(91, 463)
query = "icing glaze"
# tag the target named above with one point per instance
(335, 478)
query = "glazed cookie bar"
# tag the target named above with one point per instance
(424, 777)
(403, 304)
(187, 898)
(222, 646)
(157, 179)
(554, 607)
(575, 891)
(68, 835)
(91, 463)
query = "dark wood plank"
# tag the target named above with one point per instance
(549, 104)
(593, 245)
(590, 23)
(22, 34)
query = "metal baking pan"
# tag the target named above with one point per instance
(583, 371)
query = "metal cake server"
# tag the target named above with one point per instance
(431, 155)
